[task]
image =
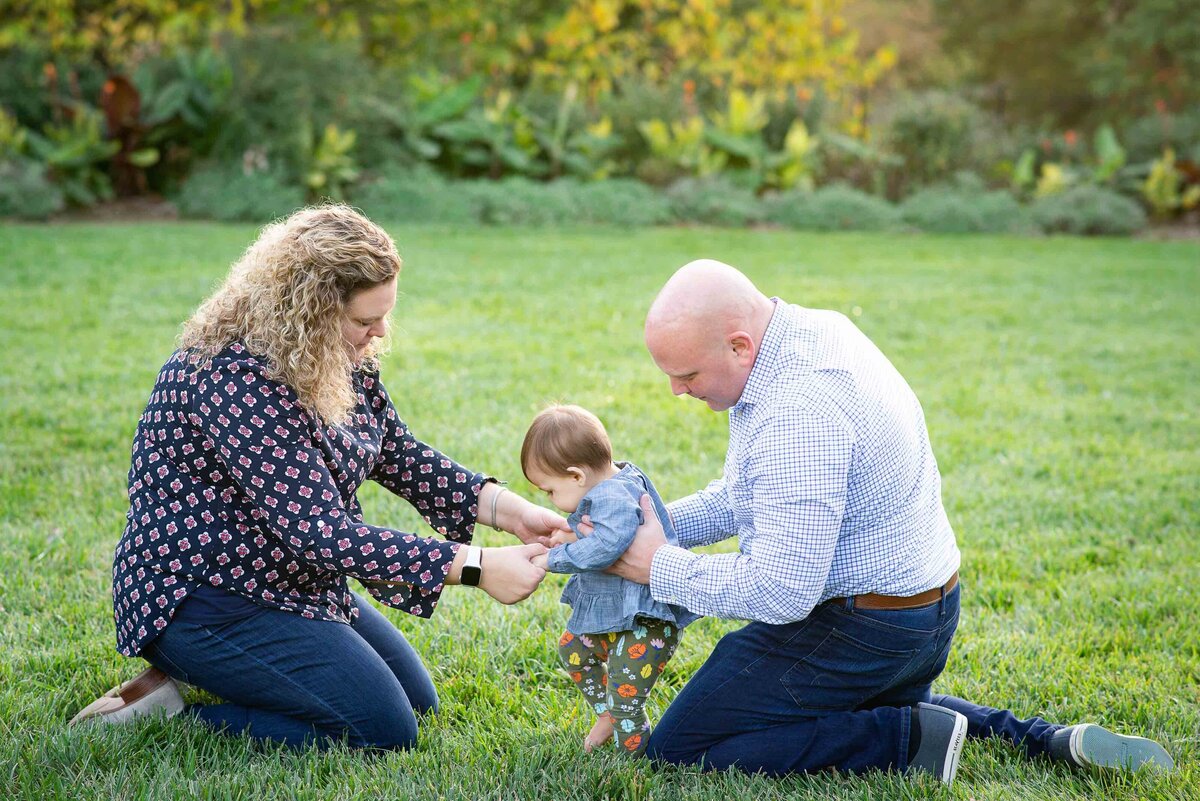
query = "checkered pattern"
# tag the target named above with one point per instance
(829, 484)
(233, 484)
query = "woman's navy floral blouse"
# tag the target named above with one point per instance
(233, 484)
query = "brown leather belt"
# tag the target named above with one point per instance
(874, 601)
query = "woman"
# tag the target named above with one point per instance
(244, 525)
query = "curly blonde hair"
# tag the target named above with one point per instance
(285, 299)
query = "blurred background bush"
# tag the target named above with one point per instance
(1004, 115)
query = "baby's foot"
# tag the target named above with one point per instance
(601, 733)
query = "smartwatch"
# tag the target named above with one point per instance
(472, 569)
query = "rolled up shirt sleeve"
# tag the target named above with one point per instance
(794, 474)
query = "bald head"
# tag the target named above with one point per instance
(702, 294)
(707, 323)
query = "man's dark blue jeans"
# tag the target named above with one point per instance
(834, 690)
(297, 681)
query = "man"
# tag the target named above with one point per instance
(847, 566)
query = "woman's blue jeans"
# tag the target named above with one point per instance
(296, 681)
(834, 690)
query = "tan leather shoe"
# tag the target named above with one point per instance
(149, 692)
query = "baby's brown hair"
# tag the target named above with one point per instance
(563, 436)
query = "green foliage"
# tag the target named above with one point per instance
(330, 167)
(416, 195)
(235, 194)
(1088, 210)
(934, 133)
(682, 148)
(1165, 190)
(12, 136)
(619, 201)
(25, 191)
(184, 107)
(570, 145)
(864, 165)
(497, 139)
(75, 153)
(1069, 63)
(1110, 156)
(714, 201)
(286, 76)
(962, 210)
(1147, 137)
(831, 208)
(520, 201)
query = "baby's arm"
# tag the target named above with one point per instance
(615, 519)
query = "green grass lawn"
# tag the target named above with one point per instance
(1059, 378)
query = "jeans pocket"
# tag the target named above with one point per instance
(842, 672)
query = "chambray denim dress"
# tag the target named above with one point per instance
(601, 602)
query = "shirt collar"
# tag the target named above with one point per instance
(768, 355)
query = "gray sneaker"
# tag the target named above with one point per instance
(1090, 746)
(943, 732)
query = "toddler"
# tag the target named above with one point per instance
(618, 638)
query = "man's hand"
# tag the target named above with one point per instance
(509, 574)
(635, 563)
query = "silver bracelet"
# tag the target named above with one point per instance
(495, 498)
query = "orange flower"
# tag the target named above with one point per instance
(637, 651)
(662, 666)
(1070, 137)
(633, 741)
(627, 691)
(603, 679)
(577, 677)
(566, 638)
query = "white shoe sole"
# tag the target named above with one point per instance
(957, 738)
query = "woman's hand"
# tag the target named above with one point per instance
(535, 524)
(509, 574)
(528, 521)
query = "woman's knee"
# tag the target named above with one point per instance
(386, 727)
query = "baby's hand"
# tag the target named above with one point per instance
(561, 538)
(539, 561)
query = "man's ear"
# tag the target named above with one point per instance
(742, 345)
(577, 475)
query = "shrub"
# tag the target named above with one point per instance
(714, 201)
(936, 134)
(418, 195)
(520, 201)
(26, 192)
(1088, 209)
(233, 194)
(1147, 137)
(831, 208)
(620, 201)
(955, 210)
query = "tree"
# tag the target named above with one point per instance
(1066, 63)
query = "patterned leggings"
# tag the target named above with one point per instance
(615, 672)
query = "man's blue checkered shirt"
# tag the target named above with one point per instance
(830, 484)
